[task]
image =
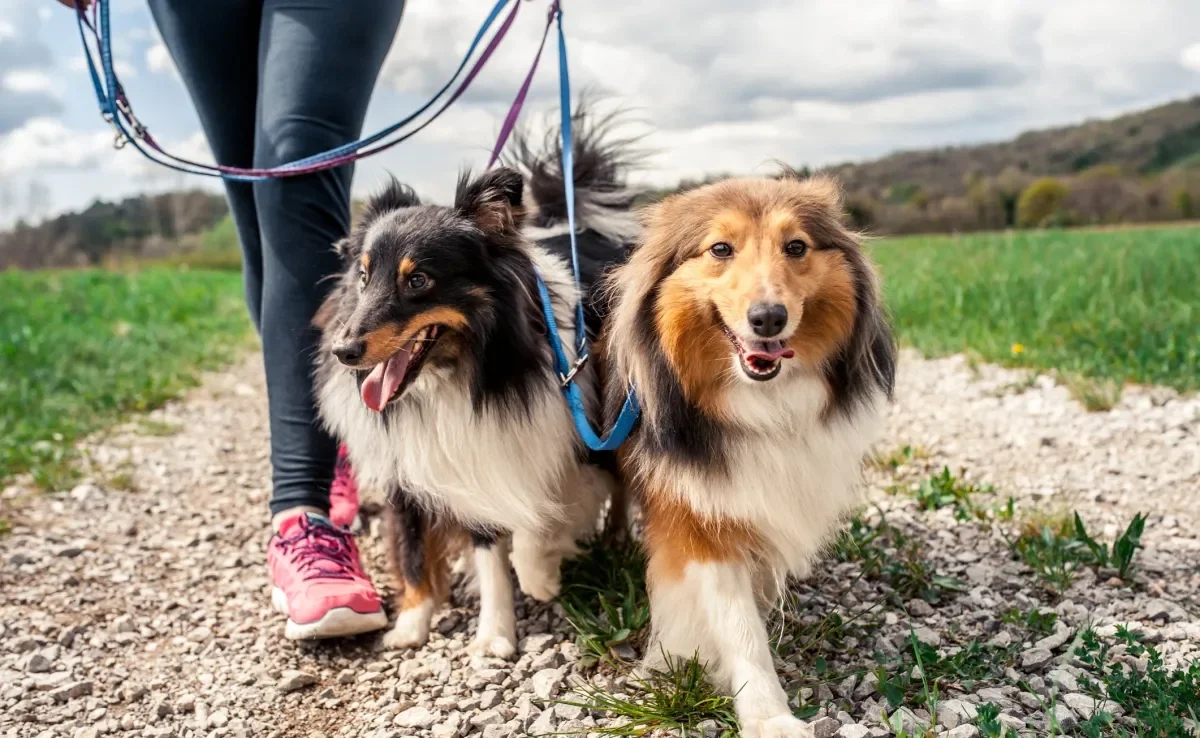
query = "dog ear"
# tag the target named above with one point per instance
(493, 201)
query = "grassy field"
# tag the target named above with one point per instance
(1121, 305)
(78, 349)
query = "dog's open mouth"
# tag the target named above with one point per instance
(389, 378)
(760, 360)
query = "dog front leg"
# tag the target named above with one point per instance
(704, 603)
(497, 633)
(417, 548)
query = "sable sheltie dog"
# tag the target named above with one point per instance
(749, 320)
(437, 374)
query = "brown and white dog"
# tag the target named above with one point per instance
(749, 319)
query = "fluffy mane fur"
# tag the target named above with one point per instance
(436, 373)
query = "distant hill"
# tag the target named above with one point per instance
(1143, 166)
(1140, 167)
(149, 226)
(1144, 143)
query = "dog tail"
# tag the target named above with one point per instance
(603, 200)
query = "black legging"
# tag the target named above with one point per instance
(273, 81)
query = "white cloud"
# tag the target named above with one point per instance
(130, 163)
(45, 143)
(158, 60)
(31, 81)
(725, 86)
(730, 85)
(1190, 57)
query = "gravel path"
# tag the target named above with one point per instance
(138, 604)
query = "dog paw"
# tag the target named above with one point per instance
(780, 726)
(410, 631)
(497, 646)
(541, 584)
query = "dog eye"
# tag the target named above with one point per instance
(417, 281)
(721, 250)
(796, 248)
(362, 278)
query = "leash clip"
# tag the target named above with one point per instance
(569, 376)
(119, 140)
(139, 130)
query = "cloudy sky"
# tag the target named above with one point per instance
(721, 85)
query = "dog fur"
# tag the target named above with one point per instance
(745, 459)
(480, 445)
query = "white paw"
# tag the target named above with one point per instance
(411, 629)
(780, 726)
(497, 646)
(542, 583)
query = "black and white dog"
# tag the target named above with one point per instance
(437, 374)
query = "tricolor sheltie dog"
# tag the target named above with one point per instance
(437, 375)
(749, 320)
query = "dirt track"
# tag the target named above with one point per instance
(138, 603)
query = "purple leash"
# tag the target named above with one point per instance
(118, 111)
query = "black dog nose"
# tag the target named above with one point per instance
(349, 352)
(767, 319)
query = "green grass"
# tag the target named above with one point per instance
(604, 598)
(1160, 700)
(80, 348)
(1119, 305)
(679, 699)
(1055, 549)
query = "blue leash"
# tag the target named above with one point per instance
(116, 111)
(630, 410)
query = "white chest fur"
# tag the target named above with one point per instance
(486, 468)
(792, 476)
(511, 470)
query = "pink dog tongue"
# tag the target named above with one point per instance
(381, 383)
(770, 351)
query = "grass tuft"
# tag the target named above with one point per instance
(604, 597)
(148, 427)
(678, 699)
(1096, 395)
(944, 489)
(1057, 547)
(887, 461)
(1161, 701)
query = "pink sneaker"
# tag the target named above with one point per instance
(343, 493)
(319, 583)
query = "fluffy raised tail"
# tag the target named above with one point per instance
(603, 200)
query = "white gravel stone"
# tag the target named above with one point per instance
(546, 683)
(416, 717)
(292, 680)
(1086, 706)
(1035, 658)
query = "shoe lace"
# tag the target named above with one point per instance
(321, 551)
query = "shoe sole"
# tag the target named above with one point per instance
(337, 623)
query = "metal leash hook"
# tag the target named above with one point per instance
(569, 376)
